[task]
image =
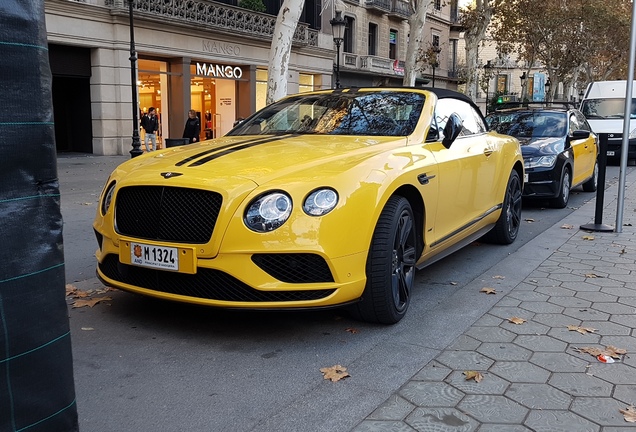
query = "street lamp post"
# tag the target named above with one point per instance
(136, 144)
(338, 24)
(436, 50)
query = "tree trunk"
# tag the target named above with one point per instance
(416, 24)
(280, 50)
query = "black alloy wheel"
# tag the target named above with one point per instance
(506, 229)
(390, 265)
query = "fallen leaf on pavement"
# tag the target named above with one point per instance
(622, 251)
(529, 220)
(352, 330)
(593, 351)
(567, 226)
(334, 373)
(516, 320)
(629, 414)
(90, 302)
(498, 277)
(488, 290)
(612, 351)
(592, 275)
(88, 328)
(474, 375)
(588, 237)
(582, 330)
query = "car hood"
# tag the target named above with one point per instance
(260, 158)
(531, 147)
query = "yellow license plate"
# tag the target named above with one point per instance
(157, 256)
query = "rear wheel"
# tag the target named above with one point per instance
(592, 183)
(390, 265)
(507, 226)
(564, 190)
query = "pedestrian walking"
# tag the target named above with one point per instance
(150, 123)
(192, 128)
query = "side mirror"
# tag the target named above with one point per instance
(452, 129)
(580, 134)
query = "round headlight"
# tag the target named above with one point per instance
(108, 197)
(320, 202)
(268, 212)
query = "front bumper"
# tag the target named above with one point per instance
(545, 183)
(264, 280)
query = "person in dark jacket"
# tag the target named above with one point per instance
(150, 123)
(192, 128)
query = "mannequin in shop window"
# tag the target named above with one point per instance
(192, 128)
(150, 123)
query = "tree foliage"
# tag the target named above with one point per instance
(255, 5)
(576, 41)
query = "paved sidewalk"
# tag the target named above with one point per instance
(537, 375)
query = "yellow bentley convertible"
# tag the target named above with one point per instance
(322, 199)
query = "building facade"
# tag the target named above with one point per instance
(212, 56)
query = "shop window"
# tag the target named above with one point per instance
(373, 39)
(261, 88)
(152, 88)
(393, 39)
(502, 84)
(305, 83)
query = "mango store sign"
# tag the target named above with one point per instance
(219, 71)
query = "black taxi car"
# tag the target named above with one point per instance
(560, 151)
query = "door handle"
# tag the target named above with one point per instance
(487, 152)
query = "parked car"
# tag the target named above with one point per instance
(322, 199)
(603, 106)
(560, 151)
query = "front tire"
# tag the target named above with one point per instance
(564, 190)
(390, 265)
(592, 184)
(507, 227)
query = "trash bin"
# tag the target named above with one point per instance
(173, 142)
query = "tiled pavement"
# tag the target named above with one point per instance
(534, 379)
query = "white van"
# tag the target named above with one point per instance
(603, 105)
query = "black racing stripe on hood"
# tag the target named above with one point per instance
(207, 152)
(237, 148)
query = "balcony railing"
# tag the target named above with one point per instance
(382, 6)
(215, 16)
(400, 9)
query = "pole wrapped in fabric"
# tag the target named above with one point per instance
(37, 392)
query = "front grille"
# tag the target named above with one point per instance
(171, 214)
(206, 284)
(294, 268)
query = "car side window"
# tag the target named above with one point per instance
(471, 120)
(573, 124)
(583, 124)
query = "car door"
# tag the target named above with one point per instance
(465, 172)
(581, 149)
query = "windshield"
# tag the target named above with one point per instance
(386, 113)
(606, 108)
(535, 124)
